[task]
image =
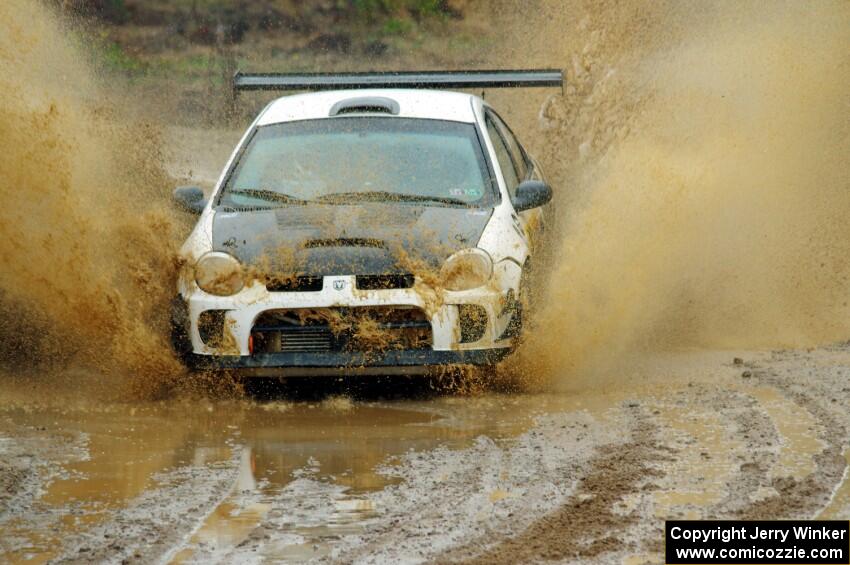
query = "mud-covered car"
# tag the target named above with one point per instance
(375, 225)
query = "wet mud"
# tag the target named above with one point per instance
(582, 477)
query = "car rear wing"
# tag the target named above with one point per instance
(404, 79)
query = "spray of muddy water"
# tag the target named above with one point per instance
(700, 152)
(704, 157)
(86, 239)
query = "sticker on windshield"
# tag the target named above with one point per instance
(473, 192)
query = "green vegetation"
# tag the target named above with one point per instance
(114, 58)
(376, 11)
(397, 26)
(376, 8)
(191, 48)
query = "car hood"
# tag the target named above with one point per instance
(363, 239)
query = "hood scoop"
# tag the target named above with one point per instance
(345, 242)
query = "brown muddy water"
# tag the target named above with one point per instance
(699, 155)
(343, 446)
(394, 472)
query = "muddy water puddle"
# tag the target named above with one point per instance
(710, 448)
(333, 450)
(344, 455)
(119, 452)
(291, 478)
(797, 429)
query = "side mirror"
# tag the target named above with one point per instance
(531, 194)
(190, 199)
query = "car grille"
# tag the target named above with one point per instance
(295, 284)
(303, 339)
(363, 329)
(384, 282)
(345, 242)
(363, 282)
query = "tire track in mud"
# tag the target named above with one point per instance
(30, 460)
(587, 526)
(617, 511)
(806, 497)
(763, 486)
(760, 438)
(27, 466)
(151, 526)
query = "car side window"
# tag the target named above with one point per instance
(506, 164)
(517, 154)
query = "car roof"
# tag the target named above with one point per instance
(425, 104)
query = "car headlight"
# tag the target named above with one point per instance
(467, 269)
(219, 273)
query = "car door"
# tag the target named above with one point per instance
(516, 167)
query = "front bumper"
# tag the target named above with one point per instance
(241, 312)
(406, 362)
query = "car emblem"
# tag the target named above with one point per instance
(339, 285)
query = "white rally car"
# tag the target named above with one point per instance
(376, 225)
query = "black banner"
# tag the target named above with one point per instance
(694, 542)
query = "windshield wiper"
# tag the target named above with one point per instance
(384, 196)
(269, 195)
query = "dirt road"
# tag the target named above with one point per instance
(580, 476)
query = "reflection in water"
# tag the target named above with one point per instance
(230, 523)
(331, 449)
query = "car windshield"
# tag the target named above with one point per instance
(359, 159)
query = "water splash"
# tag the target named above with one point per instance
(708, 183)
(86, 238)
